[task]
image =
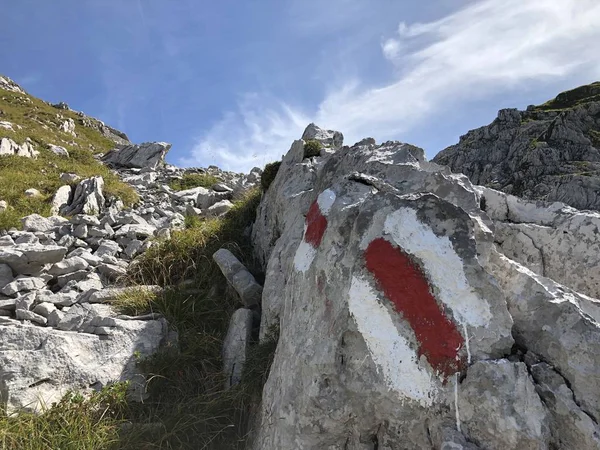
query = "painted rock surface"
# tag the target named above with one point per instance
(401, 324)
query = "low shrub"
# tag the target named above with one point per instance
(268, 175)
(312, 148)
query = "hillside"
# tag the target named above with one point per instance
(34, 126)
(549, 152)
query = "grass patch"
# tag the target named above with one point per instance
(186, 387)
(572, 98)
(269, 174)
(312, 148)
(75, 423)
(39, 122)
(192, 180)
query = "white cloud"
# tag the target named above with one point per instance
(485, 48)
(260, 131)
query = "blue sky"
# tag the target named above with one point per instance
(233, 83)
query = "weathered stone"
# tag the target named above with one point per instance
(545, 153)
(219, 208)
(498, 407)
(149, 154)
(329, 138)
(239, 277)
(107, 247)
(30, 258)
(6, 275)
(59, 151)
(61, 199)
(24, 284)
(68, 265)
(235, 346)
(88, 197)
(51, 362)
(10, 147)
(32, 192)
(44, 309)
(22, 314)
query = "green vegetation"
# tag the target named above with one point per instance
(74, 423)
(192, 180)
(312, 148)
(572, 98)
(40, 122)
(269, 174)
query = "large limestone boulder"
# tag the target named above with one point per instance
(10, 147)
(39, 365)
(398, 312)
(148, 155)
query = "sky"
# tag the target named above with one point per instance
(233, 83)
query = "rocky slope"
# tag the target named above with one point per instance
(549, 152)
(417, 310)
(60, 274)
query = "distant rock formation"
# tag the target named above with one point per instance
(549, 152)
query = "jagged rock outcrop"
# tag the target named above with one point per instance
(10, 147)
(402, 322)
(148, 155)
(549, 152)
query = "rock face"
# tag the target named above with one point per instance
(149, 155)
(402, 322)
(550, 152)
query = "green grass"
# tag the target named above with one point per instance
(569, 99)
(40, 123)
(74, 423)
(192, 180)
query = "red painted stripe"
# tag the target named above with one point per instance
(316, 224)
(404, 283)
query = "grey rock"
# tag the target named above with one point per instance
(107, 247)
(6, 241)
(68, 265)
(59, 151)
(235, 346)
(548, 152)
(35, 222)
(44, 309)
(219, 208)
(69, 177)
(6, 275)
(61, 199)
(10, 147)
(50, 361)
(111, 271)
(30, 258)
(24, 284)
(500, 409)
(32, 192)
(81, 231)
(239, 277)
(150, 154)
(22, 314)
(78, 275)
(329, 138)
(88, 197)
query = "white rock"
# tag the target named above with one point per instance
(59, 151)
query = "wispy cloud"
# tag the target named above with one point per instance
(257, 133)
(483, 49)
